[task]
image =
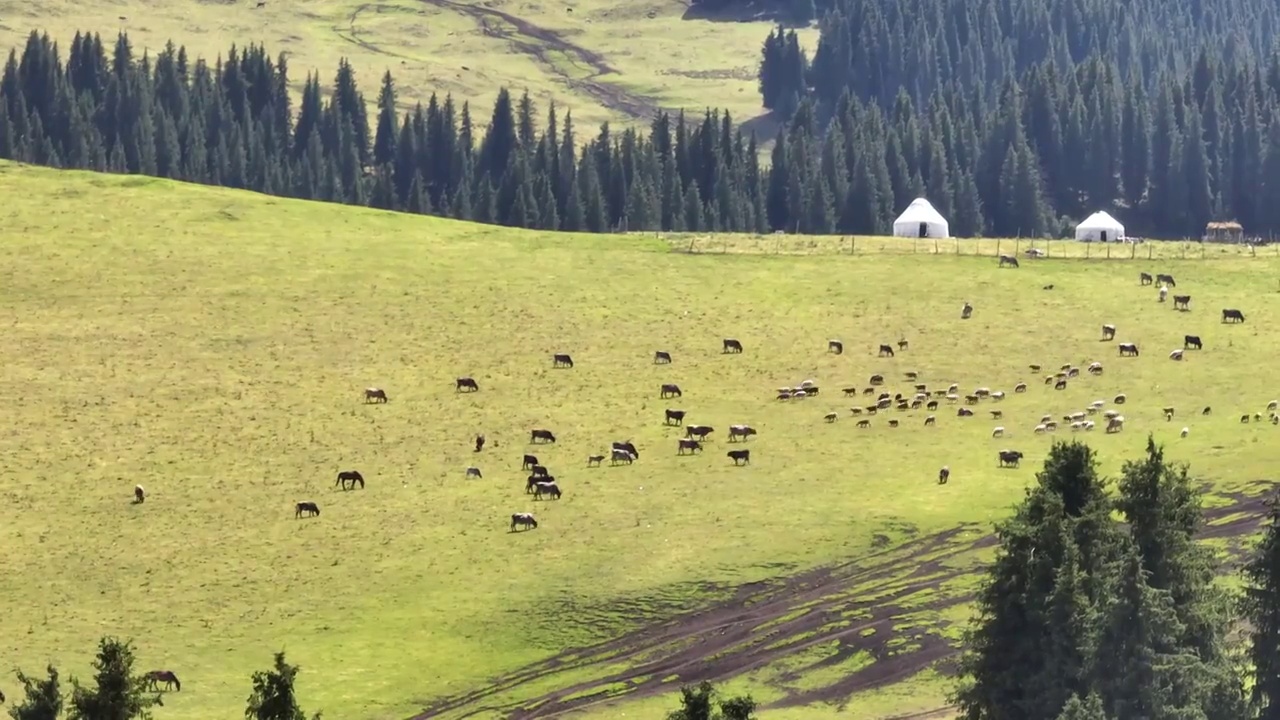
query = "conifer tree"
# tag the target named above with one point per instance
(1261, 607)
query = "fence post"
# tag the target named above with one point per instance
(1108, 250)
(1133, 250)
(997, 247)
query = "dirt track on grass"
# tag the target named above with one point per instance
(859, 606)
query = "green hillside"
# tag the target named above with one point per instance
(213, 346)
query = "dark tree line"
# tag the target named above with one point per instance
(1083, 617)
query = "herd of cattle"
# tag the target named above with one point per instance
(540, 483)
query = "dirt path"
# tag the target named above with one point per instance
(539, 42)
(860, 605)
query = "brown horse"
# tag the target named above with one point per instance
(309, 508)
(167, 677)
(350, 476)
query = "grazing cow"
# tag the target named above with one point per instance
(139, 495)
(893, 423)
(864, 423)
(1010, 458)
(831, 417)
(309, 508)
(674, 417)
(1115, 424)
(1185, 432)
(1181, 302)
(1232, 315)
(1108, 332)
(595, 460)
(466, 383)
(732, 346)
(474, 471)
(350, 476)
(627, 446)
(1166, 280)
(964, 412)
(1008, 260)
(541, 435)
(1128, 349)
(744, 431)
(546, 488)
(1207, 410)
(850, 391)
(931, 405)
(529, 461)
(539, 471)
(931, 420)
(561, 360)
(944, 475)
(966, 312)
(616, 456)
(531, 482)
(155, 677)
(687, 444)
(1020, 388)
(1145, 278)
(661, 358)
(903, 344)
(1168, 413)
(524, 520)
(1119, 399)
(886, 351)
(740, 456)
(375, 394)
(1034, 368)
(1175, 355)
(1192, 341)
(877, 380)
(997, 395)
(998, 432)
(670, 390)
(835, 346)
(699, 431)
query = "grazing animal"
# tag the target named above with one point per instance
(1128, 349)
(1244, 418)
(1145, 278)
(1060, 385)
(1185, 432)
(1271, 406)
(864, 423)
(886, 351)
(1168, 413)
(539, 471)
(474, 472)
(531, 482)
(998, 432)
(687, 444)
(997, 414)
(1181, 302)
(469, 384)
(1164, 291)
(529, 461)
(1095, 368)
(1207, 410)
(349, 476)
(893, 423)
(1115, 424)
(543, 435)
(1166, 279)
(670, 390)
(167, 677)
(1020, 388)
(971, 399)
(850, 391)
(1008, 260)
(944, 475)
(627, 447)
(661, 358)
(1108, 332)
(1010, 458)
(524, 520)
(931, 420)
(745, 431)
(740, 456)
(1119, 399)
(931, 405)
(876, 380)
(835, 346)
(964, 412)
(617, 456)
(595, 460)
(1034, 368)
(561, 360)
(375, 394)
(674, 417)
(139, 495)
(731, 346)
(546, 488)
(699, 431)
(1175, 355)
(903, 344)
(479, 443)
(966, 312)
(309, 508)
(1192, 341)
(1232, 315)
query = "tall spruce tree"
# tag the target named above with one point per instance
(1261, 609)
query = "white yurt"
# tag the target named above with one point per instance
(920, 220)
(1100, 227)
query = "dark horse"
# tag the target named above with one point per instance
(349, 476)
(309, 508)
(167, 677)
(1008, 260)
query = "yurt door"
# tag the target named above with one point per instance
(924, 230)
(1103, 236)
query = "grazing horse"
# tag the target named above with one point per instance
(1181, 302)
(740, 431)
(1008, 260)
(740, 456)
(944, 475)
(544, 435)
(732, 345)
(529, 461)
(524, 520)
(167, 677)
(479, 443)
(674, 417)
(1108, 332)
(1166, 280)
(1010, 458)
(1128, 349)
(309, 508)
(467, 383)
(349, 476)
(687, 444)
(698, 431)
(561, 360)
(628, 446)
(1145, 278)
(1232, 315)
(617, 456)
(886, 351)
(546, 488)
(1191, 341)
(375, 394)
(661, 357)
(139, 495)
(670, 390)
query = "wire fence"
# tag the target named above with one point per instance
(1022, 248)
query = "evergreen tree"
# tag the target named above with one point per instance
(274, 696)
(1261, 608)
(117, 693)
(42, 696)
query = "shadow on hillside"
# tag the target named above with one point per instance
(741, 13)
(764, 126)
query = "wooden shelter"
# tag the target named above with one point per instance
(1224, 232)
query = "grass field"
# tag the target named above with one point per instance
(213, 346)
(602, 60)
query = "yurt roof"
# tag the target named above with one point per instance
(1101, 220)
(920, 210)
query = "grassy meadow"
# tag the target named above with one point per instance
(602, 60)
(213, 346)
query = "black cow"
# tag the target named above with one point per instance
(1191, 341)
(466, 383)
(627, 447)
(529, 461)
(886, 351)
(562, 360)
(545, 435)
(670, 390)
(1233, 315)
(674, 417)
(740, 456)
(686, 444)
(732, 345)
(1010, 458)
(661, 358)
